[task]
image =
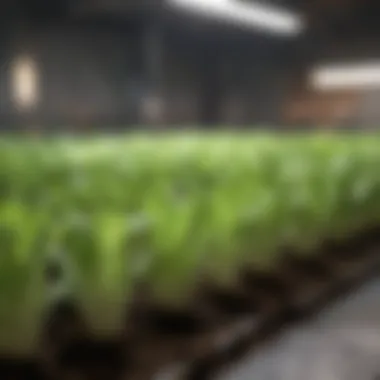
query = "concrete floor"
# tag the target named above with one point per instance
(342, 343)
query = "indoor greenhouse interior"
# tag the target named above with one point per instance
(189, 190)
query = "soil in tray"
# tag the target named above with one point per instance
(354, 246)
(157, 336)
(349, 258)
(95, 360)
(19, 369)
(69, 351)
(226, 304)
(164, 321)
(295, 274)
(294, 278)
(162, 335)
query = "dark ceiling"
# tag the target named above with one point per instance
(337, 18)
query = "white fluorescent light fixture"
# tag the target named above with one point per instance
(253, 15)
(343, 77)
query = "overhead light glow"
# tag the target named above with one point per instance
(341, 77)
(25, 83)
(253, 15)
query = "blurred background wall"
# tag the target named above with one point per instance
(126, 63)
